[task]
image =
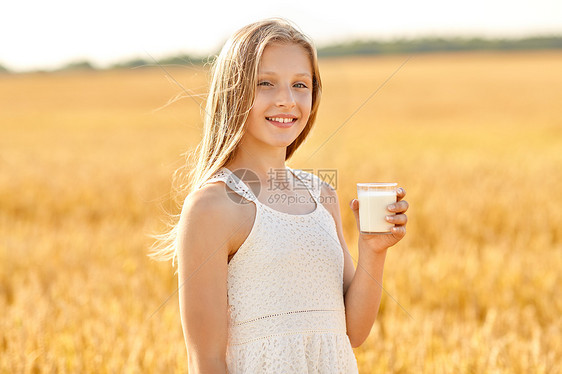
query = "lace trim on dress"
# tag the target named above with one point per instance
(288, 323)
(284, 313)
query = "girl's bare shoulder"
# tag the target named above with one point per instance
(211, 211)
(212, 200)
(329, 197)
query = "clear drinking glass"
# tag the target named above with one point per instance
(373, 201)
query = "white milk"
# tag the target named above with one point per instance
(373, 209)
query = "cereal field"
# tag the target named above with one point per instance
(86, 160)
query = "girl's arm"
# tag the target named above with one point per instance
(203, 247)
(363, 286)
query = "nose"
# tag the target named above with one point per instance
(285, 97)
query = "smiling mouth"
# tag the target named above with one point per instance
(281, 120)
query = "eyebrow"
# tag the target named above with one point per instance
(297, 75)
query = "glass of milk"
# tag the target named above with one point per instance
(374, 199)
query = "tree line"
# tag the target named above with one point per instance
(358, 47)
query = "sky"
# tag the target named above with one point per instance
(42, 34)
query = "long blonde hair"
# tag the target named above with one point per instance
(231, 96)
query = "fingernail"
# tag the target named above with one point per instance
(388, 218)
(391, 207)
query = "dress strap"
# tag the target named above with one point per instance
(233, 182)
(312, 183)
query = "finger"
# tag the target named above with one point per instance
(354, 205)
(400, 193)
(399, 207)
(397, 219)
(398, 232)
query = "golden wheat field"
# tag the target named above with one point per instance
(86, 160)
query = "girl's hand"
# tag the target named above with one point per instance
(381, 242)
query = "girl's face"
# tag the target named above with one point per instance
(283, 96)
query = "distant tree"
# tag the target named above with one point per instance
(3, 70)
(130, 64)
(78, 65)
(182, 59)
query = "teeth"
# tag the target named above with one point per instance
(281, 120)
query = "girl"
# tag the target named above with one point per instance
(267, 286)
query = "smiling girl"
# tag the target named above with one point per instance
(266, 286)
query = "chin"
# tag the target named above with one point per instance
(283, 142)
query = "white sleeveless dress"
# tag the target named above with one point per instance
(285, 291)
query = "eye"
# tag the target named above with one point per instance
(300, 85)
(264, 83)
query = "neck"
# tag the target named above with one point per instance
(263, 162)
